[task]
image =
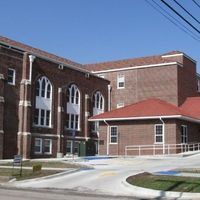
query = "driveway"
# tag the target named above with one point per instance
(107, 175)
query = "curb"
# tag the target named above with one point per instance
(45, 177)
(159, 194)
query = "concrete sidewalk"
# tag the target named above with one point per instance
(108, 175)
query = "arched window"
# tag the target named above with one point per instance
(43, 102)
(98, 103)
(73, 94)
(98, 107)
(73, 108)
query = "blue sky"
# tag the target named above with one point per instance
(89, 31)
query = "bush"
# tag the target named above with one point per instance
(37, 168)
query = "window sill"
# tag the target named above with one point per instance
(40, 126)
(13, 84)
(113, 143)
(120, 88)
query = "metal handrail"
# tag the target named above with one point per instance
(183, 147)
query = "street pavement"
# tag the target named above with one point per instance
(17, 194)
(107, 175)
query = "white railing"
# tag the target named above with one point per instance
(160, 149)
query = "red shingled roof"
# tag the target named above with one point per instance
(150, 60)
(153, 108)
(192, 106)
(38, 52)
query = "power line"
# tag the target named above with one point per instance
(196, 3)
(180, 16)
(191, 34)
(176, 20)
(187, 11)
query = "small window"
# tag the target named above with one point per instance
(47, 146)
(11, 76)
(38, 146)
(113, 135)
(158, 133)
(184, 134)
(120, 81)
(120, 105)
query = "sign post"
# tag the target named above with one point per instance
(17, 162)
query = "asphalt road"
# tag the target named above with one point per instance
(24, 194)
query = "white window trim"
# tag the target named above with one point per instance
(120, 105)
(71, 146)
(186, 136)
(41, 144)
(47, 82)
(50, 147)
(39, 117)
(155, 133)
(14, 76)
(74, 123)
(97, 104)
(70, 94)
(116, 135)
(120, 76)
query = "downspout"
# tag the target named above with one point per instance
(107, 149)
(163, 135)
(31, 59)
(109, 97)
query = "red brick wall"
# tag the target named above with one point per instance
(10, 59)
(187, 81)
(58, 78)
(160, 82)
(142, 133)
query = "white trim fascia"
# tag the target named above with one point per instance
(136, 118)
(1, 132)
(180, 54)
(149, 117)
(138, 67)
(54, 61)
(43, 135)
(172, 55)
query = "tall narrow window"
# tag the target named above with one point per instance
(120, 81)
(11, 76)
(73, 108)
(158, 129)
(43, 102)
(98, 107)
(113, 135)
(184, 134)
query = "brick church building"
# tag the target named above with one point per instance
(50, 105)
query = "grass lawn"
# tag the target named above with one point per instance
(53, 164)
(26, 173)
(166, 183)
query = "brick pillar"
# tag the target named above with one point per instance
(24, 125)
(87, 114)
(1, 113)
(60, 124)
